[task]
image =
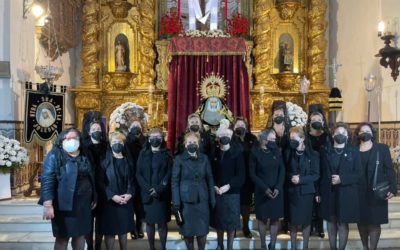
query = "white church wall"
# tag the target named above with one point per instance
(357, 45)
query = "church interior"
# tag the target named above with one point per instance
(60, 59)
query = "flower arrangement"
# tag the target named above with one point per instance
(238, 25)
(296, 114)
(123, 115)
(395, 154)
(12, 154)
(206, 33)
(171, 25)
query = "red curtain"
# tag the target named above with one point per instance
(185, 73)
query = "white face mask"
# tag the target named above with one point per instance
(71, 146)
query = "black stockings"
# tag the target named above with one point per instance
(110, 240)
(162, 232)
(369, 233)
(201, 242)
(293, 236)
(78, 243)
(245, 212)
(337, 228)
(220, 237)
(273, 228)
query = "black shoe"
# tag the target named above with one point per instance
(141, 235)
(247, 234)
(321, 235)
(270, 247)
(134, 236)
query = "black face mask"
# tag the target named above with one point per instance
(135, 131)
(278, 119)
(294, 143)
(224, 140)
(316, 125)
(155, 142)
(117, 148)
(340, 139)
(192, 148)
(365, 137)
(194, 128)
(240, 131)
(272, 145)
(96, 135)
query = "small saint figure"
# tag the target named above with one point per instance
(286, 58)
(120, 57)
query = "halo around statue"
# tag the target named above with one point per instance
(123, 116)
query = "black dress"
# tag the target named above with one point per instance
(301, 196)
(375, 211)
(193, 191)
(247, 190)
(267, 171)
(77, 222)
(228, 168)
(116, 219)
(154, 171)
(340, 201)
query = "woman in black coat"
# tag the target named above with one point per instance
(68, 190)
(153, 173)
(193, 191)
(244, 138)
(374, 212)
(229, 173)
(338, 186)
(116, 216)
(268, 174)
(302, 173)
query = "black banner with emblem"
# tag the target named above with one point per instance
(44, 115)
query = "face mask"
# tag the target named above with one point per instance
(272, 145)
(365, 137)
(135, 131)
(224, 140)
(71, 146)
(155, 142)
(96, 135)
(240, 131)
(340, 139)
(194, 128)
(294, 143)
(278, 119)
(117, 148)
(316, 125)
(192, 148)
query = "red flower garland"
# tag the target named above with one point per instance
(171, 24)
(238, 25)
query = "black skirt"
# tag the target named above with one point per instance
(157, 212)
(77, 222)
(196, 219)
(300, 208)
(116, 219)
(226, 214)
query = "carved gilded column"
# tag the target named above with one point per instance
(90, 44)
(317, 43)
(147, 74)
(263, 42)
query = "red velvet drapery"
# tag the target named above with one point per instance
(185, 73)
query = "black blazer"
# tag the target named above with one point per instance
(110, 178)
(346, 205)
(144, 173)
(192, 180)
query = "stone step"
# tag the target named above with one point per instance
(44, 241)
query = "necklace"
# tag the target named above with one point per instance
(298, 153)
(266, 150)
(339, 151)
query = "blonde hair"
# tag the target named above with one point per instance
(117, 134)
(192, 134)
(156, 130)
(298, 130)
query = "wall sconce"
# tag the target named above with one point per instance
(35, 7)
(390, 56)
(304, 87)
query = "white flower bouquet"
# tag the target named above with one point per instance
(207, 33)
(296, 114)
(395, 154)
(12, 154)
(124, 114)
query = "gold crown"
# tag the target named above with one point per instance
(212, 85)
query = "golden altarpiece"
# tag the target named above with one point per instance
(296, 24)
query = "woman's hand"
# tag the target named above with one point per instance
(296, 179)
(318, 199)
(93, 205)
(118, 199)
(217, 190)
(336, 179)
(225, 188)
(126, 197)
(48, 212)
(389, 196)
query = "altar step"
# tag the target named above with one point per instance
(22, 227)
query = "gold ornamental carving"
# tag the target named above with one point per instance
(164, 58)
(287, 8)
(90, 44)
(287, 81)
(120, 8)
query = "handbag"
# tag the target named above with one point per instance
(178, 216)
(382, 188)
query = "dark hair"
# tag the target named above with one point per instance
(264, 134)
(277, 105)
(241, 118)
(342, 125)
(357, 131)
(325, 127)
(58, 150)
(89, 118)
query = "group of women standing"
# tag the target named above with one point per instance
(294, 173)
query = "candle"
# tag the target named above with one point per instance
(179, 8)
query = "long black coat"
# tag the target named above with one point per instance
(340, 200)
(267, 171)
(374, 211)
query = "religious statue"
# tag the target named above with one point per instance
(120, 64)
(213, 109)
(286, 58)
